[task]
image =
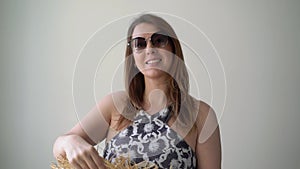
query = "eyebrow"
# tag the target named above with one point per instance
(140, 35)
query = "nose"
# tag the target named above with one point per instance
(150, 48)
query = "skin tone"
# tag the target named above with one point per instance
(77, 144)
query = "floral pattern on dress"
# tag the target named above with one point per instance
(149, 138)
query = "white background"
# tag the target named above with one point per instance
(258, 42)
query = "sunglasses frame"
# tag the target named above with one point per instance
(146, 40)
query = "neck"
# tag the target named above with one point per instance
(155, 97)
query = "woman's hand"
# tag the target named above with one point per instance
(79, 153)
(77, 145)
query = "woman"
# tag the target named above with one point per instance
(155, 119)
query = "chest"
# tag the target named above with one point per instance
(189, 135)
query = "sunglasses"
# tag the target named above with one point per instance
(158, 40)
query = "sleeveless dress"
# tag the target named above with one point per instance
(149, 138)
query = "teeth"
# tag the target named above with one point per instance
(153, 61)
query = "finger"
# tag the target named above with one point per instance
(82, 163)
(97, 159)
(75, 165)
(90, 162)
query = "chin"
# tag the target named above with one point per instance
(153, 73)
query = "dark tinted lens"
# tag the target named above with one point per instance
(138, 43)
(159, 40)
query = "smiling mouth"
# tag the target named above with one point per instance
(153, 61)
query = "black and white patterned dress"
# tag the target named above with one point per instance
(149, 138)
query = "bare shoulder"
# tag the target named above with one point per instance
(113, 102)
(206, 122)
(204, 111)
(113, 97)
(95, 124)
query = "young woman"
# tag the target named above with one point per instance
(154, 119)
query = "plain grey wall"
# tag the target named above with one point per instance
(258, 42)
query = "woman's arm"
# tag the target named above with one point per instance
(208, 147)
(78, 144)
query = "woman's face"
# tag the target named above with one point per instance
(152, 61)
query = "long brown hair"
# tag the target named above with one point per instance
(183, 105)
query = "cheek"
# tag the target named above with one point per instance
(167, 55)
(138, 60)
(168, 59)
